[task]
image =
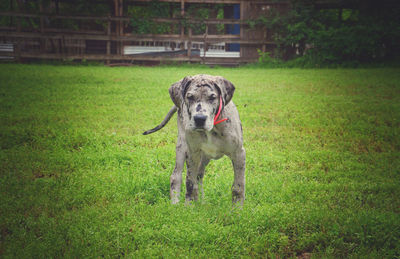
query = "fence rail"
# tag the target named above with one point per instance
(124, 19)
(109, 40)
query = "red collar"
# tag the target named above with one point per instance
(219, 112)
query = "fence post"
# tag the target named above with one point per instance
(205, 44)
(121, 28)
(117, 24)
(42, 40)
(243, 13)
(17, 51)
(264, 46)
(182, 25)
(108, 41)
(189, 52)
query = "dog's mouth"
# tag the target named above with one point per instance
(202, 128)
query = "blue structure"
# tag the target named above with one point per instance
(234, 29)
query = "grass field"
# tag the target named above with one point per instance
(79, 180)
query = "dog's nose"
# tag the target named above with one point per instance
(200, 120)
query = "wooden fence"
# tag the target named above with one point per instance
(55, 43)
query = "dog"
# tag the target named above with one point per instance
(209, 127)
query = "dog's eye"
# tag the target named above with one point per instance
(190, 97)
(212, 97)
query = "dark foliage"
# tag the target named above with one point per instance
(344, 31)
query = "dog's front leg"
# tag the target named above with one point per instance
(239, 165)
(204, 162)
(176, 176)
(192, 178)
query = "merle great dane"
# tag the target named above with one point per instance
(208, 128)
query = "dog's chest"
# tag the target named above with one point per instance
(211, 146)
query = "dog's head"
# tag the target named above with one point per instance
(200, 97)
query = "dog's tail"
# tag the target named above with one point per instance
(164, 122)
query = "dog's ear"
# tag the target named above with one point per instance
(178, 90)
(226, 89)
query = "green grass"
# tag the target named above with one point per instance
(79, 180)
